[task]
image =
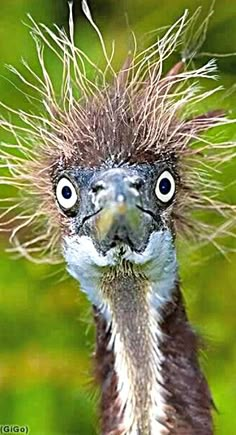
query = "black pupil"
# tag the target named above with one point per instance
(66, 192)
(165, 186)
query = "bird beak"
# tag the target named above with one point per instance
(122, 215)
(120, 218)
(108, 216)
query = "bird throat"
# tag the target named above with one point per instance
(135, 341)
(146, 360)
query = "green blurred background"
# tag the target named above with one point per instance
(46, 333)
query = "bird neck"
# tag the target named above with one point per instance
(146, 361)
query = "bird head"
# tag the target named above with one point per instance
(118, 207)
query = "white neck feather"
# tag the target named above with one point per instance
(134, 381)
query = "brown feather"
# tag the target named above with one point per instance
(149, 119)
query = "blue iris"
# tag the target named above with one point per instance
(66, 192)
(165, 186)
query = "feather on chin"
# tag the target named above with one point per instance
(157, 263)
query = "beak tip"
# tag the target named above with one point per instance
(121, 208)
(108, 216)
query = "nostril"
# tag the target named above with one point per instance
(137, 183)
(98, 187)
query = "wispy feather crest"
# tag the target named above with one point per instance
(136, 114)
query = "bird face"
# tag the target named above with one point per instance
(117, 206)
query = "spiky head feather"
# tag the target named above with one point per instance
(135, 115)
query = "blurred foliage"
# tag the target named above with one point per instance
(46, 334)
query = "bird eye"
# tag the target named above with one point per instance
(66, 193)
(165, 187)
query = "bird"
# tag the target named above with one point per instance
(109, 175)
